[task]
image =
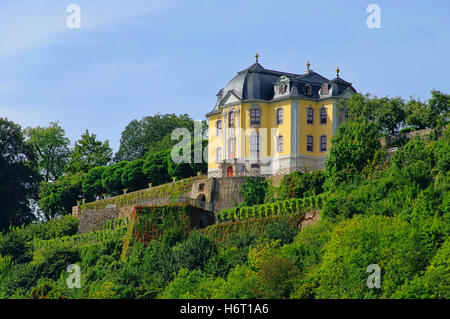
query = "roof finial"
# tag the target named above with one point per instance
(337, 71)
(308, 65)
(257, 56)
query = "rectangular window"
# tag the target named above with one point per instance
(323, 115)
(310, 115)
(323, 143)
(254, 144)
(255, 117)
(280, 144)
(309, 143)
(279, 116)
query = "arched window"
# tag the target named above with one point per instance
(309, 143)
(218, 155)
(310, 115)
(254, 144)
(255, 116)
(231, 119)
(219, 128)
(280, 143)
(324, 89)
(323, 115)
(308, 89)
(323, 143)
(279, 116)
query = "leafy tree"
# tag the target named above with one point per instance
(299, 185)
(388, 113)
(416, 112)
(112, 177)
(141, 136)
(354, 144)
(438, 112)
(92, 183)
(89, 153)
(155, 168)
(394, 246)
(253, 191)
(183, 169)
(434, 283)
(52, 261)
(52, 149)
(391, 114)
(277, 276)
(58, 197)
(19, 176)
(133, 176)
(195, 251)
(14, 244)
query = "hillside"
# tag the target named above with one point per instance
(394, 213)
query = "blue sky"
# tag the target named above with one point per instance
(133, 58)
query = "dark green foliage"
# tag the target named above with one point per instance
(51, 262)
(18, 280)
(141, 136)
(155, 168)
(92, 183)
(55, 228)
(58, 197)
(281, 230)
(19, 176)
(298, 184)
(133, 177)
(253, 192)
(112, 178)
(195, 251)
(354, 144)
(14, 244)
(277, 276)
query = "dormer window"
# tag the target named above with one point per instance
(308, 89)
(283, 88)
(324, 89)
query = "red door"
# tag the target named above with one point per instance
(230, 171)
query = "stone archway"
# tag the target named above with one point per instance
(200, 201)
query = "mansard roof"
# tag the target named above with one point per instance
(256, 83)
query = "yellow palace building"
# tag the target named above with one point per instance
(268, 122)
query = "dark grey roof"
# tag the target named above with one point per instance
(257, 83)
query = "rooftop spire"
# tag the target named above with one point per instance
(257, 56)
(308, 70)
(337, 72)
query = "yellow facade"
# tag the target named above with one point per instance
(293, 144)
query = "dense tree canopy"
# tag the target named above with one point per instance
(57, 198)
(18, 175)
(141, 136)
(88, 153)
(52, 149)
